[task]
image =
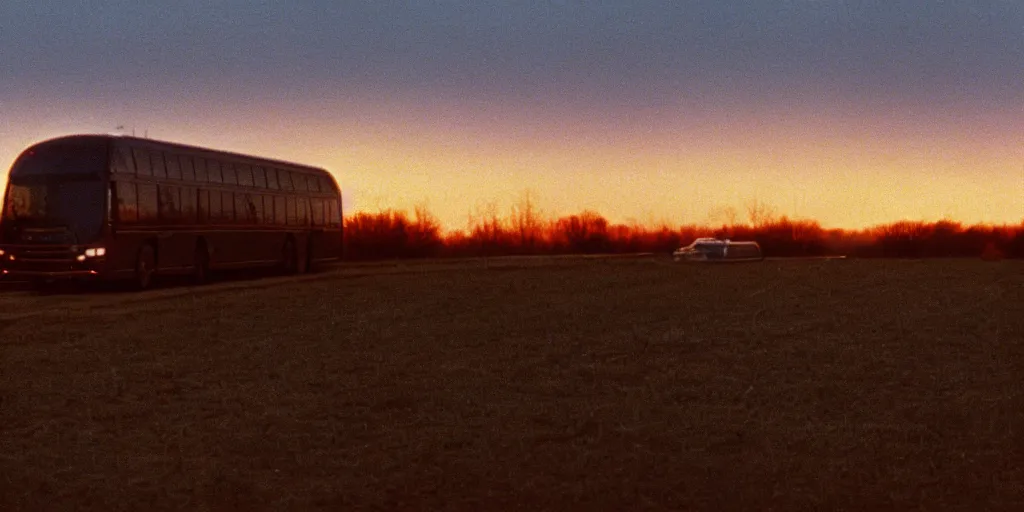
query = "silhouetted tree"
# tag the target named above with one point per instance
(585, 233)
(392, 234)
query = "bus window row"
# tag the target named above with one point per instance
(151, 204)
(161, 164)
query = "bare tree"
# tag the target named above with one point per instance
(584, 232)
(525, 221)
(725, 214)
(760, 213)
(426, 220)
(424, 233)
(485, 226)
(730, 215)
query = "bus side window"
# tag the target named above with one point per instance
(188, 205)
(335, 212)
(156, 162)
(148, 204)
(203, 208)
(122, 163)
(242, 211)
(173, 166)
(216, 209)
(142, 162)
(201, 176)
(313, 183)
(245, 175)
(254, 205)
(280, 211)
(325, 184)
(127, 203)
(170, 204)
(317, 208)
(256, 200)
(268, 210)
(188, 173)
(259, 177)
(230, 174)
(293, 215)
(227, 205)
(272, 179)
(213, 169)
(299, 181)
(303, 211)
(285, 178)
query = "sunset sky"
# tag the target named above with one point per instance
(851, 112)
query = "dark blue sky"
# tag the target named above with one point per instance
(645, 50)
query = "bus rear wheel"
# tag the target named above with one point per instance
(145, 267)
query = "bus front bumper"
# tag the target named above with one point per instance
(40, 274)
(54, 266)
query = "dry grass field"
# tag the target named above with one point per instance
(527, 384)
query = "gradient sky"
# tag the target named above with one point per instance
(851, 112)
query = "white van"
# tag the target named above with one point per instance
(713, 249)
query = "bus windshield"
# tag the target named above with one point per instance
(71, 204)
(58, 188)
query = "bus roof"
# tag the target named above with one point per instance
(162, 144)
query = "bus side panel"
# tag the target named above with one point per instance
(302, 239)
(273, 244)
(122, 251)
(175, 250)
(318, 241)
(225, 248)
(245, 248)
(265, 246)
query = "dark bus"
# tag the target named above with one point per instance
(104, 207)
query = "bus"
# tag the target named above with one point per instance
(114, 207)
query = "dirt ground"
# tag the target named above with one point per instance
(524, 384)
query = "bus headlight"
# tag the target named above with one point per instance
(1, 252)
(95, 252)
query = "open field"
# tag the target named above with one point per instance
(550, 383)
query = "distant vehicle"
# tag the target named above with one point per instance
(103, 207)
(714, 250)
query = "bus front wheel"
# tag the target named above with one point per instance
(145, 267)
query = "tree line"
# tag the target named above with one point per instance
(394, 234)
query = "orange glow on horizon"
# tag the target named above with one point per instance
(851, 173)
